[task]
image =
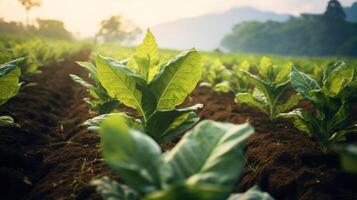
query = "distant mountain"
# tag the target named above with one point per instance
(351, 12)
(205, 32)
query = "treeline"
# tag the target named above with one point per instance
(314, 35)
(44, 28)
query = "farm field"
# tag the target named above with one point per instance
(106, 112)
(48, 155)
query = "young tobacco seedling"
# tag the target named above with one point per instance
(100, 101)
(224, 80)
(9, 86)
(209, 173)
(216, 76)
(153, 89)
(332, 101)
(270, 86)
(238, 81)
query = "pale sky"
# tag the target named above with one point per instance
(83, 16)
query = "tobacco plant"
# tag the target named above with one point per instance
(238, 81)
(204, 165)
(154, 89)
(9, 86)
(224, 80)
(216, 76)
(270, 87)
(100, 101)
(332, 101)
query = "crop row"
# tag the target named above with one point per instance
(23, 58)
(208, 160)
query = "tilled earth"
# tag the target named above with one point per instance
(48, 155)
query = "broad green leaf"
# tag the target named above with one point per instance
(283, 73)
(120, 83)
(259, 83)
(245, 65)
(89, 67)
(253, 193)
(212, 153)
(303, 83)
(180, 125)
(8, 67)
(95, 123)
(79, 80)
(160, 126)
(223, 87)
(291, 103)
(6, 121)
(9, 84)
(146, 57)
(249, 99)
(303, 121)
(112, 190)
(133, 155)
(340, 119)
(341, 134)
(337, 78)
(186, 191)
(264, 67)
(177, 79)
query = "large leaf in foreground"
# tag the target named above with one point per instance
(133, 155)
(211, 154)
(177, 79)
(253, 193)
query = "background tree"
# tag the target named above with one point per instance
(117, 29)
(311, 35)
(334, 11)
(29, 4)
(53, 29)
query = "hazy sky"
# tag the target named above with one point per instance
(83, 16)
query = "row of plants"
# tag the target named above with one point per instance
(205, 164)
(22, 58)
(277, 89)
(38, 52)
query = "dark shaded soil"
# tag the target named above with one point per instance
(49, 156)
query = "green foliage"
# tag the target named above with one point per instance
(154, 89)
(100, 101)
(53, 29)
(216, 75)
(332, 101)
(37, 52)
(270, 86)
(9, 86)
(309, 34)
(348, 156)
(209, 173)
(225, 80)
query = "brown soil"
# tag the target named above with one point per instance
(49, 156)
